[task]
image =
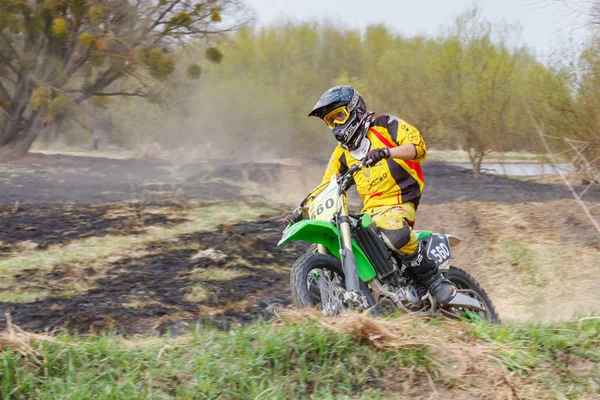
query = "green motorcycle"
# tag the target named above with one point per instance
(351, 268)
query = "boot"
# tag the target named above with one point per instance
(428, 273)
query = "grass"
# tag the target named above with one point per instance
(564, 357)
(295, 361)
(215, 274)
(22, 295)
(310, 357)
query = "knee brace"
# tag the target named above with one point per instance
(396, 239)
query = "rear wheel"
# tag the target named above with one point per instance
(318, 280)
(467, 285)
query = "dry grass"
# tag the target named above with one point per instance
(196, 293)
(215, 274)
(461, 367)
(535, 260)
(25, 343)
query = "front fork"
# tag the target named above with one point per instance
(346, 254)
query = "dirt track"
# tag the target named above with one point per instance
(62, 199)
(43, 179)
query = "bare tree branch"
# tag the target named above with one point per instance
(562, 174)
(127, 94)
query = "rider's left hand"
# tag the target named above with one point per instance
(292, 218)
(377, 155)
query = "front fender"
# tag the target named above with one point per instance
(326, 234)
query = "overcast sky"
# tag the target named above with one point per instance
(544, 22)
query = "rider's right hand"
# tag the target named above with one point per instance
(292, 218)
(376, 155)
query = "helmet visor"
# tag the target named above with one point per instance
(339, 116)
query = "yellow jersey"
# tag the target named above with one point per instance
(392, 181)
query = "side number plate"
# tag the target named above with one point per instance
(438, 250)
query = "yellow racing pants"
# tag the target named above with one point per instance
(395, 223)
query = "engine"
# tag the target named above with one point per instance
(391, 296)
(408, 296)
(390, 287)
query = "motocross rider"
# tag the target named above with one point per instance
(392, 190)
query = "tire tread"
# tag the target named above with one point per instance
(461, 273)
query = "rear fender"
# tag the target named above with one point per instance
(453, 240)
(326, 234)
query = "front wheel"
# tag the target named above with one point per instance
(318, 279)
(466, 284)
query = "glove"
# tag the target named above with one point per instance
(377, 155)
(292, 218)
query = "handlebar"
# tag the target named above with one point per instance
(343, 180)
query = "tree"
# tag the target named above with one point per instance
(478, 73)
(568, 110)
(56, 54)
(589, 9)
(567, 106)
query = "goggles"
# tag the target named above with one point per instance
(339, 116)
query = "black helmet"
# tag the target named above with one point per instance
(345, 112)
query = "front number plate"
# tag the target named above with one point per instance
(323, 207)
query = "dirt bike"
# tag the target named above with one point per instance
(351, 268)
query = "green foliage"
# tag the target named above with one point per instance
(65, 43)
(194, 71)
(464, 89)
(214, 55)
(100, 101)
(160, 65)
(96, 12)
(59, 105)
(567, 105)
(164, 68)
(215, 14)
(56, 5)
(181, 19)
(87, 39)
(60, 27)
(150, 56)
(40, 97)
(78, 8)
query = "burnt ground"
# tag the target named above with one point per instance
(42, 226)
(63, 198)
(141, 294)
